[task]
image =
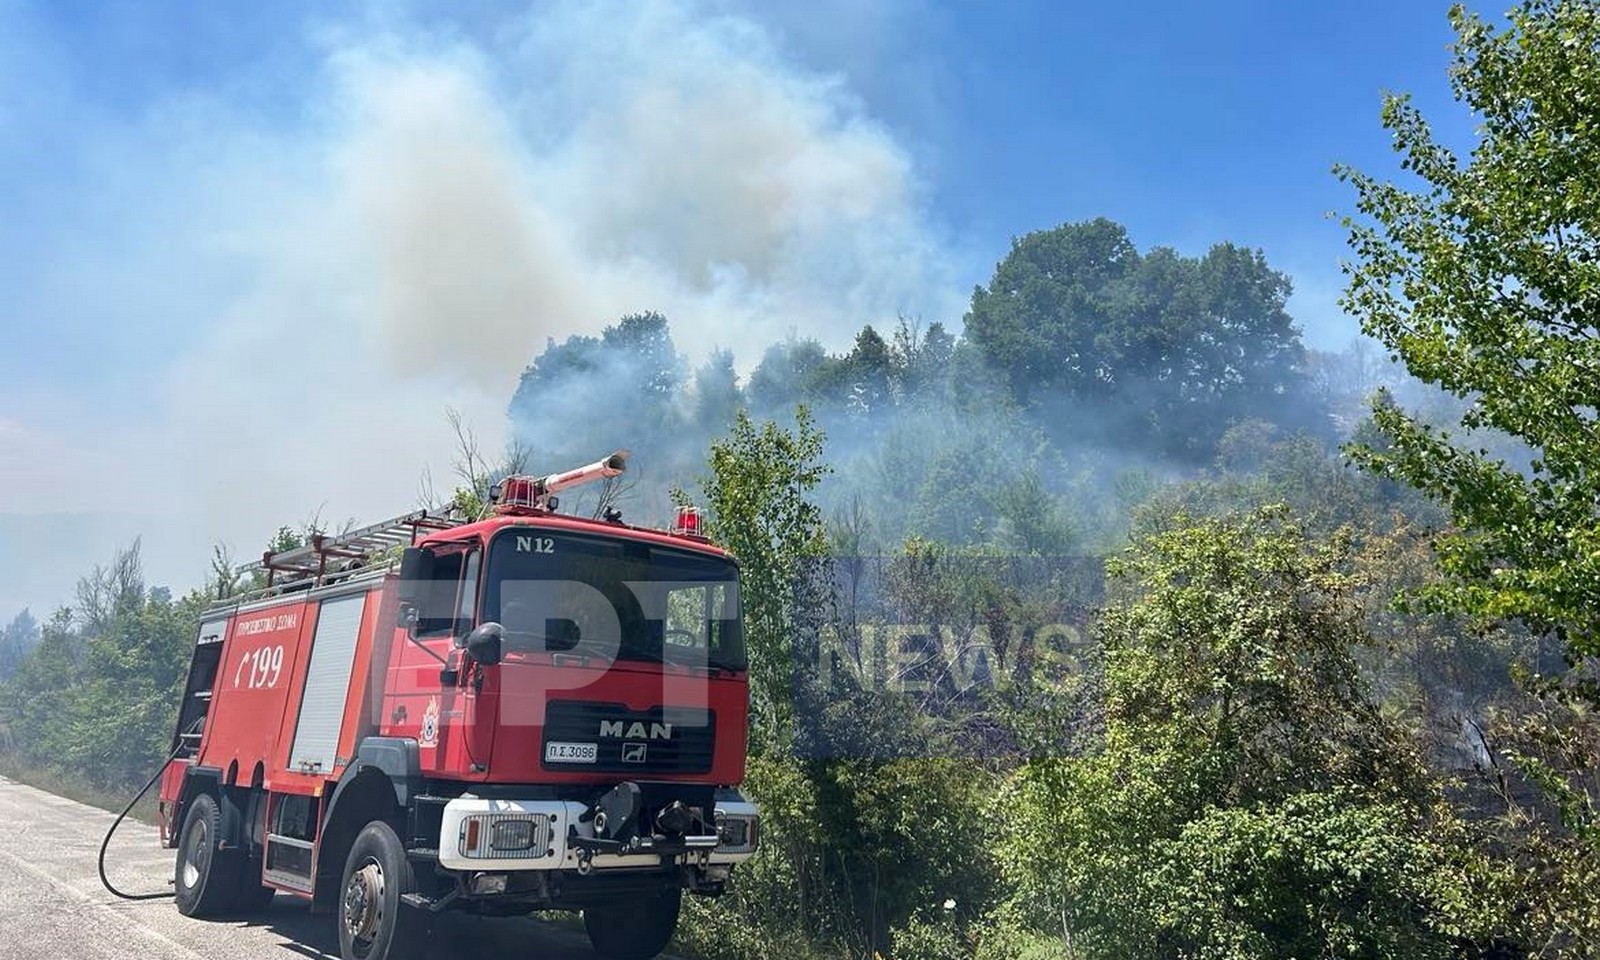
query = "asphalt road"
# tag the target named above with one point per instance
(52, 906)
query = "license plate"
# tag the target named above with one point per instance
(570, 752)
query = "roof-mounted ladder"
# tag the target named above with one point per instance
(341, 553)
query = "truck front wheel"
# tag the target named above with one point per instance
(206, 877)
(370, 913)
(637, 930)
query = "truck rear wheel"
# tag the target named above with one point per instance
(206, 878)
(370, 914)
(637, 930)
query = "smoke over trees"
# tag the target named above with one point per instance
(1097, 391)
(1084, 363)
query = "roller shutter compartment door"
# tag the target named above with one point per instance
(333, 649)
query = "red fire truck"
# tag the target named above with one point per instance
(527, 712)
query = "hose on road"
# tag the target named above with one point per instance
(104, 880)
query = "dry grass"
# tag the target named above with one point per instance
(79, 789)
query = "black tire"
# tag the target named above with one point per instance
(205, 878)
(373, 923)
(637, 930)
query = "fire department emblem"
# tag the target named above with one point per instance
(429, 737)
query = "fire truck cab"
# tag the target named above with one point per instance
(528, 712)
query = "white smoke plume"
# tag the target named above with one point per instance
(433, 212)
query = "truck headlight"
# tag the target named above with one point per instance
(736, 834)
(504, 836)
(509, 835)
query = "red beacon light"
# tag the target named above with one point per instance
(518, 493)
(688, 523)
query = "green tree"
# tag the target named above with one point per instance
(1485, 280)
(120, 715)
(97, 696)
(621, 387)
(1157, 351)
(37, 693)
(921, 359)
(791, 372)
(844, 859)
(759, 491)
(1249, 799)
(867, 369)
(16, 640)
(716, 392)
(1030, 519)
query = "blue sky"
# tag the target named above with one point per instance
(1188, 122)
(216, 218)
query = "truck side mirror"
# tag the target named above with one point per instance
(416, 573)
(484, 643)
(416, 569)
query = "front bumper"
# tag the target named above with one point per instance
(509, 835)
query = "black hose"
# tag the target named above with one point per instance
(118, 822)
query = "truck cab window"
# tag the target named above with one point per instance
(467, 599)
(451, 595)
(612, 598)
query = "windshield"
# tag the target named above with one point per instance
(613, 598)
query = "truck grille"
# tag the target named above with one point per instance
(659, 740)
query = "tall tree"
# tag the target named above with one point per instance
(867, 368)
(716, 392)
(16, 641)
(788, 374)
(588, 395)
(921, 359)
(1485, 280)
(760, 493)
(1047, 318)
(1159, 352)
